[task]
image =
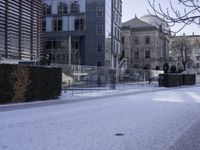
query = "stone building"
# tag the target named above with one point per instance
(145, 42)
(193, 53)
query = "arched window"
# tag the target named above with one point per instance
(62, 8)
(46, 9)
(75, 8)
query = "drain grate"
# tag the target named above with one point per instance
(119, 134)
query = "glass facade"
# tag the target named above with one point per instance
(20, 28)
(64, 16)
(91, 22)
(108, 32)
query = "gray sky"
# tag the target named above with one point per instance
(139, 7)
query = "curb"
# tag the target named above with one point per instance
(20, 106)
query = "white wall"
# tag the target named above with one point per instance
(49, 24)
(82, 5)
(71, 23)
(55, 6)
(65, 23)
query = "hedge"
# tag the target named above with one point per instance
(20, 83)
(175, 79)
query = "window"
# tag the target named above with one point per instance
(136, 66)
(99, 12)
(99, 63)
(79, 24)
(147, 54)
(123, 40)
(136, 40)
(75, 8)
(62, 8)
(115, 31)
(99, 29)
(43, 26)
(57, 25)
(198, 58)
(46, 9)
(197, 65)
(48, 45)
(117, 17)
(147, 66)
(147, 40)
(100, 47)
(75, 44)
(136, 55)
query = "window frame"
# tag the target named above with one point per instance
(97, 12)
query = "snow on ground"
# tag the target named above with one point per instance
(148, 121)
(104, 91)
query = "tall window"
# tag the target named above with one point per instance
(46, 9)
(136, 66)
(136, 54)
(43, 26)
(99, 29)
(99, 12)
(197, 58)
(136, 40)
(99, 47)
(99, 63)
(147, 54)
(62, 8)
(197, 65)
(57, 25)
(79, 24)
(75, 8)
(147, 40)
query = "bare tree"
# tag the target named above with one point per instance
(181, 48)
(186, 14)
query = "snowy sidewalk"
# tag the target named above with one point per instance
(148, 121)
(80, 96)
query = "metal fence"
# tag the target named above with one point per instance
(91, 77)
(90, 80)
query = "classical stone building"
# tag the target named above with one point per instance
(145, 42)
(193, 52)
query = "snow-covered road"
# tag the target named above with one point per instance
(151, 121)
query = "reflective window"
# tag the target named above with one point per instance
(75, 8)
(99, 12)
(43, 26)
(79, 24)
(147, 54)
(99, 29)
(57, 25)
(62, 8)
(99, 47)
(46, 9)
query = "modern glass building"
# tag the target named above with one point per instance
(82, 32)
(20, 27)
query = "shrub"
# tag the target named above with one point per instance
(28, 83)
